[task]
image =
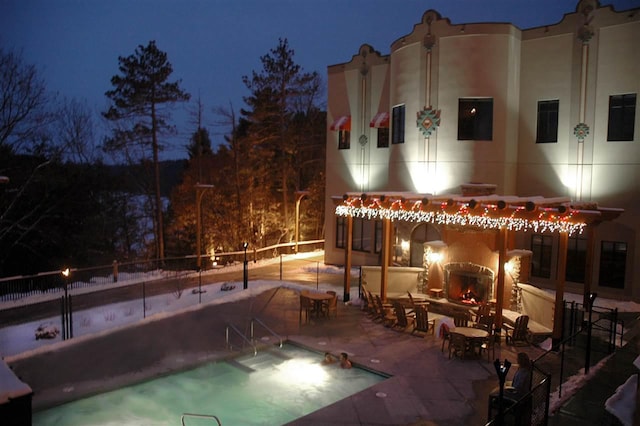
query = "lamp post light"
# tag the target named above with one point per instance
(587, 361)
(67, 327)
(200, 190)
(245, 269)
(502, 370)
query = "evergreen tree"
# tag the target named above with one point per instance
(279, 93)
(140, 93)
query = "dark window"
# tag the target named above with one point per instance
(576, 259)
(361, 235)
(344, 139)
(622, 117)
(341, 226)
(383, 137)
(475, 119)
(378, 236)
(613, 260)
(547, 121)
(541, 246)
(398, 124)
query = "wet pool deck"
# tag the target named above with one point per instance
(426, 387)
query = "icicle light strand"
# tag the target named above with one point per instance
(546, 221)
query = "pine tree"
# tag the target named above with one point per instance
(139, 93)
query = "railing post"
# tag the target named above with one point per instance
(115, 271)
(144, 300)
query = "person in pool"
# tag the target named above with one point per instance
(344, 360)
(328, 359)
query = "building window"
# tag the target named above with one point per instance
(622, 117)
(344, 139)
(541, 246)
(378, 236)
(341, 227)
(576, 259)
(613, 260)
(475, 119)
(547, 121)
(361, 235)
(383, 137)
(398, 124)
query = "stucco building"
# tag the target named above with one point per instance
(541, 119)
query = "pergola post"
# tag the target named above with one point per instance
(558, 313)
(502, 259)
(386, 256)
(347, 258)
(588, 275)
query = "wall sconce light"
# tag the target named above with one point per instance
(434, 257)
(512, 267)
(404, 244)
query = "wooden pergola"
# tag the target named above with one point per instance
(504, 214)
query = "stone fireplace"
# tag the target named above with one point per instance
(468, 283)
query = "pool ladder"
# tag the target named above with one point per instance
(200, 416)
(251, 340)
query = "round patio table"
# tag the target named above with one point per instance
(318, 299)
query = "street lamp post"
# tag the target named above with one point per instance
(299, 196)
(200, 190)
(67, 327)
(245, 269)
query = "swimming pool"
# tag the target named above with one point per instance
(272, 388)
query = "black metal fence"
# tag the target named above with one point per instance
(531, 409)
(100, 277)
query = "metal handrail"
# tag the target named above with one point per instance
(266, 328)
(200, 416)
(234, 328)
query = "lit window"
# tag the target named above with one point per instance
(344, 139)
(475, 119)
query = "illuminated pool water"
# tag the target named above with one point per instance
(287, 383)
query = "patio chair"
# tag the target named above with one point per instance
(415, 303)
(306, 308)
(422, 322)
(372, 309)
(486, 323)
(518, 335)
(384, 311)
(331, 306)
(402, 320)
(483, 310)
(457, 345)
(446, 335)
(461, 320)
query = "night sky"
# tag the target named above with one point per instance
(213, 43)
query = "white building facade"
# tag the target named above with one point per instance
(549, 111)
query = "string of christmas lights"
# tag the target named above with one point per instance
(546, 221)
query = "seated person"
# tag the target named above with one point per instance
(521, 382)
(344, 360)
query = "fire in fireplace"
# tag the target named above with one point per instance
(468, 284)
